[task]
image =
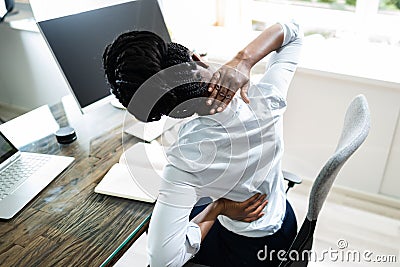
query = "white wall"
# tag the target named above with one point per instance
(391, 179)
(28, 73)
(317, 103)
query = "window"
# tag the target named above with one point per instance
(391, 7)
(348, 5)
(351, 37)
(367, 20)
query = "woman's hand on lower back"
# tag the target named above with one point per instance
(246, 211)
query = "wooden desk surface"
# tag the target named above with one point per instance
(68, 224)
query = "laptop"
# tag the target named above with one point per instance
(23, 175)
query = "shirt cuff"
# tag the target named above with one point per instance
(291, 30)
(193, 237)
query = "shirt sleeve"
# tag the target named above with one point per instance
(283, 62)
(172, 238)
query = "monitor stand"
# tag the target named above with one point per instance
(92, 121)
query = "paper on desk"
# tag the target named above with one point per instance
(30, 126)
(144, 155)
(149, 131)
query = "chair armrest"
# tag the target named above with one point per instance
(291, 177)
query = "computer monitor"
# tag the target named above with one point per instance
(77, 40)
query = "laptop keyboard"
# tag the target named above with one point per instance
(15, 174)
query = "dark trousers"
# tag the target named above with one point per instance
(223, 248)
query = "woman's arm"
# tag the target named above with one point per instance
(235, 73)
(173, 239)
(246, 211)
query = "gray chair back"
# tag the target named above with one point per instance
(355, 130)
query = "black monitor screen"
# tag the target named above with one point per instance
(6, 148)
(78, 41)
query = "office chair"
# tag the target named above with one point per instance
(355, 130)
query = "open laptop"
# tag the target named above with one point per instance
(23, 175)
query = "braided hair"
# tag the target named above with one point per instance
(134, 57)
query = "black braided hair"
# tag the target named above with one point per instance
(135, 56)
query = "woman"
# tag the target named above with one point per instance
(233, 155)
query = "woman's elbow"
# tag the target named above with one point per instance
(160, 261)
(160, 257)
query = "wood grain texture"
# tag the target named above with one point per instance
(68, 224)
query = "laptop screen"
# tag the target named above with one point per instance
(6, 148)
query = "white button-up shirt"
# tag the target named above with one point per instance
(232, 154)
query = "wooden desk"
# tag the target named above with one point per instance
(68, 224)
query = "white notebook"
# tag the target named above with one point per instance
(137, 175)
